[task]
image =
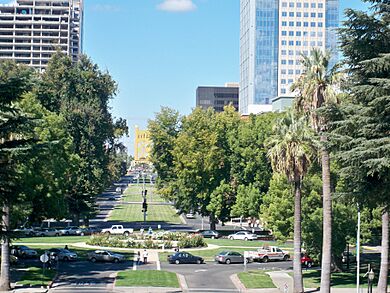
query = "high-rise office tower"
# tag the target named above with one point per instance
(273, 35)
(217, 97)
(32, 30)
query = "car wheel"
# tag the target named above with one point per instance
(228, 261)
(65, 258)
(309, 264)
(116, 260)
(126, 234)
(265, 259)
(93, 259)
(107, 233)
(57, 234)
(286, 258)
(66, 233)
(198, 261)
(231, 238)
(82, 234)
(177, 262)
(246, 238)
(212, 237)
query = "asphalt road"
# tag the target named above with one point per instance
(213, 277)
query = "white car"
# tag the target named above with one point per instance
(48, 232)
(71, 230)
(243, 235)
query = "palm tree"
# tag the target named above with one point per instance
(291, 150)
(318, 87)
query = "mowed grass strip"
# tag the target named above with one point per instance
(134, 194)
(256, 280)
(150, 278)
(243, 243)
(59, 239)
(34, 277)
(156, 213)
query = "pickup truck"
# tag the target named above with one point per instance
(118, 230)
(264, 254)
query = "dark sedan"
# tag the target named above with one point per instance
(184, 257)
(210, 234)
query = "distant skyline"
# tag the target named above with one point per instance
(160, 51)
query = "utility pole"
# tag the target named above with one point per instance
(358, 252)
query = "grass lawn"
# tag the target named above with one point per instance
(59, 239)
(134, 194)
(256, 279)
(156, 213)
(34, 277)
(312, 279)
(147, 279)
(243, 243)
(207, 254)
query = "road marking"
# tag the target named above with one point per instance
(198, 271)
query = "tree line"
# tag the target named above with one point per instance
(306, 172)
(59, 143)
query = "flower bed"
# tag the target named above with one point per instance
(148, 241)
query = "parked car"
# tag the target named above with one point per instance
(71, 230)
(190, 216)
(89, 231)
(24, 231)
(105, 255)
(210, 234)
(306, 260)
(23, 251)
(63, 254)
(229, 257)
(47, 232)
(184, 257)
(12, 259)
(242, 235)
(118, 230)
(265, 254)
(345, 255)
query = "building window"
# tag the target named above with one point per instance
(306, 5)
(291, 43)
(291, 14)
(320, 15)
(284, 52)
(291, 4)
(299, 14)
(312, 43)
(313, 5)
(305, 24)
(290, 71)
(291, 33)
(284, 43)
(297, 71)
(312, 34)
(283, 71)
(305, 43)
(284, 23)
(298, 43)
(319, 44)
(283, 61)
(299, 23)
(313, 24)
(291, 23)
(305, 34)
(306, 14)
(284, 4)
(320, 24)
(299, 4)
(283, 81)
(290, 52)
(298, 33)
(290, 81)
(290, 62)
(284, 13)
(313, 14)
(319, 34)
(320, 5)
(284, 33)
(283, 91)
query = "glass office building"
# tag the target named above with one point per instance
(273, 35)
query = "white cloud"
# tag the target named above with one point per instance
(177, 5)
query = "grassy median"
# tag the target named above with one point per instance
(256, 280)
(148, 278)
(134, 194)
(34, 277)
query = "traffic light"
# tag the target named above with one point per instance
(145, 192)
(144, 206)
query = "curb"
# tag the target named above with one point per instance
(237, 283)
(182, 282)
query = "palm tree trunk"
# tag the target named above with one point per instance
(297, 265)
(382, 283)
(5, 262)
(327, 220)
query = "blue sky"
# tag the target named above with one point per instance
(159, 51)
(159, 57)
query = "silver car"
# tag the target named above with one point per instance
(63, 254)
(229, 257)
(243, 235)
(71, 230)
(48, 232)
(105, 255)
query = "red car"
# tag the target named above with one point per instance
(306, 260)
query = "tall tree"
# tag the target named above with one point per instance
(317, 88)
(365, 125)
(164, 129)
(15, 140)
(291, 151)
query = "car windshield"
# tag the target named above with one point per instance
(23, 247)
(223, 252)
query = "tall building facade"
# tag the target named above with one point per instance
(273, 35)
(217, 97)
(32, 30)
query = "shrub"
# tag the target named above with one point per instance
(192, 241)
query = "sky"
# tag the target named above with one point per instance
(160, 51)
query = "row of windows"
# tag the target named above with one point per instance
(305, 14)
(305, 23)
(302, 43)
(285, 81)
(305, 5)
(303, 33)
(291, 62)
(290, 71)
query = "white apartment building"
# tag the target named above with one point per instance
(32, 30)
(273, 35)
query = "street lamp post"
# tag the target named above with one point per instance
(358, 252)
